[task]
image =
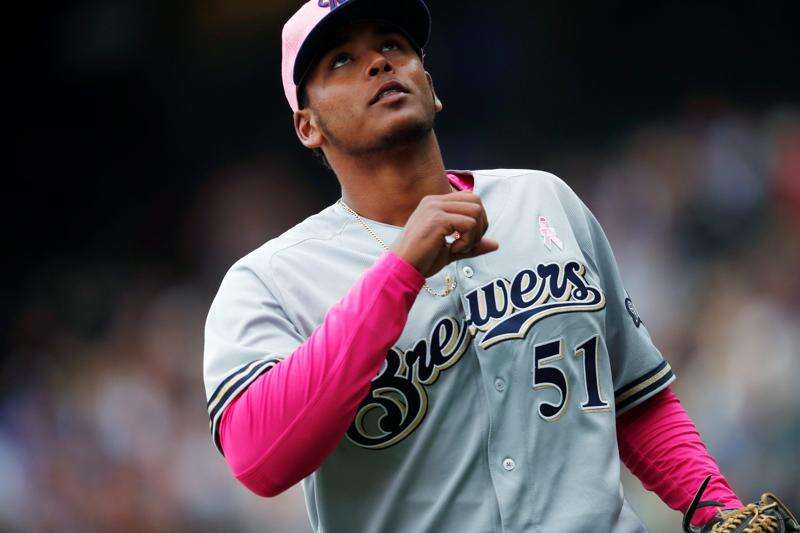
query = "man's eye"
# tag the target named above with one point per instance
(393, 45)
(336, 59)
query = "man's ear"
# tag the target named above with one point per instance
(436, 101)
(305, 125)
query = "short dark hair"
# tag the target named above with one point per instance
(302, 100)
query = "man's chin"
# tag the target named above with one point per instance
(403, 133)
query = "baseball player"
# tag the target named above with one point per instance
(441, 350)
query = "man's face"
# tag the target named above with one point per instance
(342, 114)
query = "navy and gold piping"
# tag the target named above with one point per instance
(643, 387)
(231, 387)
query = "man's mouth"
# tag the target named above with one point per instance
(388, 89)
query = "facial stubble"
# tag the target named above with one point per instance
(403, 135)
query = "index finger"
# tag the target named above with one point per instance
(462, 196)
(469, 196)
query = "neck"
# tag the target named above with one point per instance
(388, 186)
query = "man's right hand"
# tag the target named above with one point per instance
(422, 241)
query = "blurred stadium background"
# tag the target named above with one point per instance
(153, 147)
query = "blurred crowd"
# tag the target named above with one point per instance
(105, 428)
(704, 217)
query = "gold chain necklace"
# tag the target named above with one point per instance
(449, 282)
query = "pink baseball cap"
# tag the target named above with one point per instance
(304, 34)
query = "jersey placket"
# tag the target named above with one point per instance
(504, 451)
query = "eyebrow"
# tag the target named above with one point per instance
(340, 39)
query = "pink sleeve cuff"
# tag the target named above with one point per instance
(406, 272)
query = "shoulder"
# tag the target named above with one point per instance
(504, 185)
(317, 232)
(530, 181)
(521, 176)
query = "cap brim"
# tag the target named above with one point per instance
(410, 16)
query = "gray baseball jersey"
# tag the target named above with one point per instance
(495, 409)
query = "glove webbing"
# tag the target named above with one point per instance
(760, 523)
(752, 515)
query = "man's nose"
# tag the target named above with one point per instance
(380, 63)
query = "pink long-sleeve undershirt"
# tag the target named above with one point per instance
(284, 425)
(660, 445)
(291, 418)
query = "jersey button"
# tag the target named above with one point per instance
(499, 384)
(509, 464)
(468, 272)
